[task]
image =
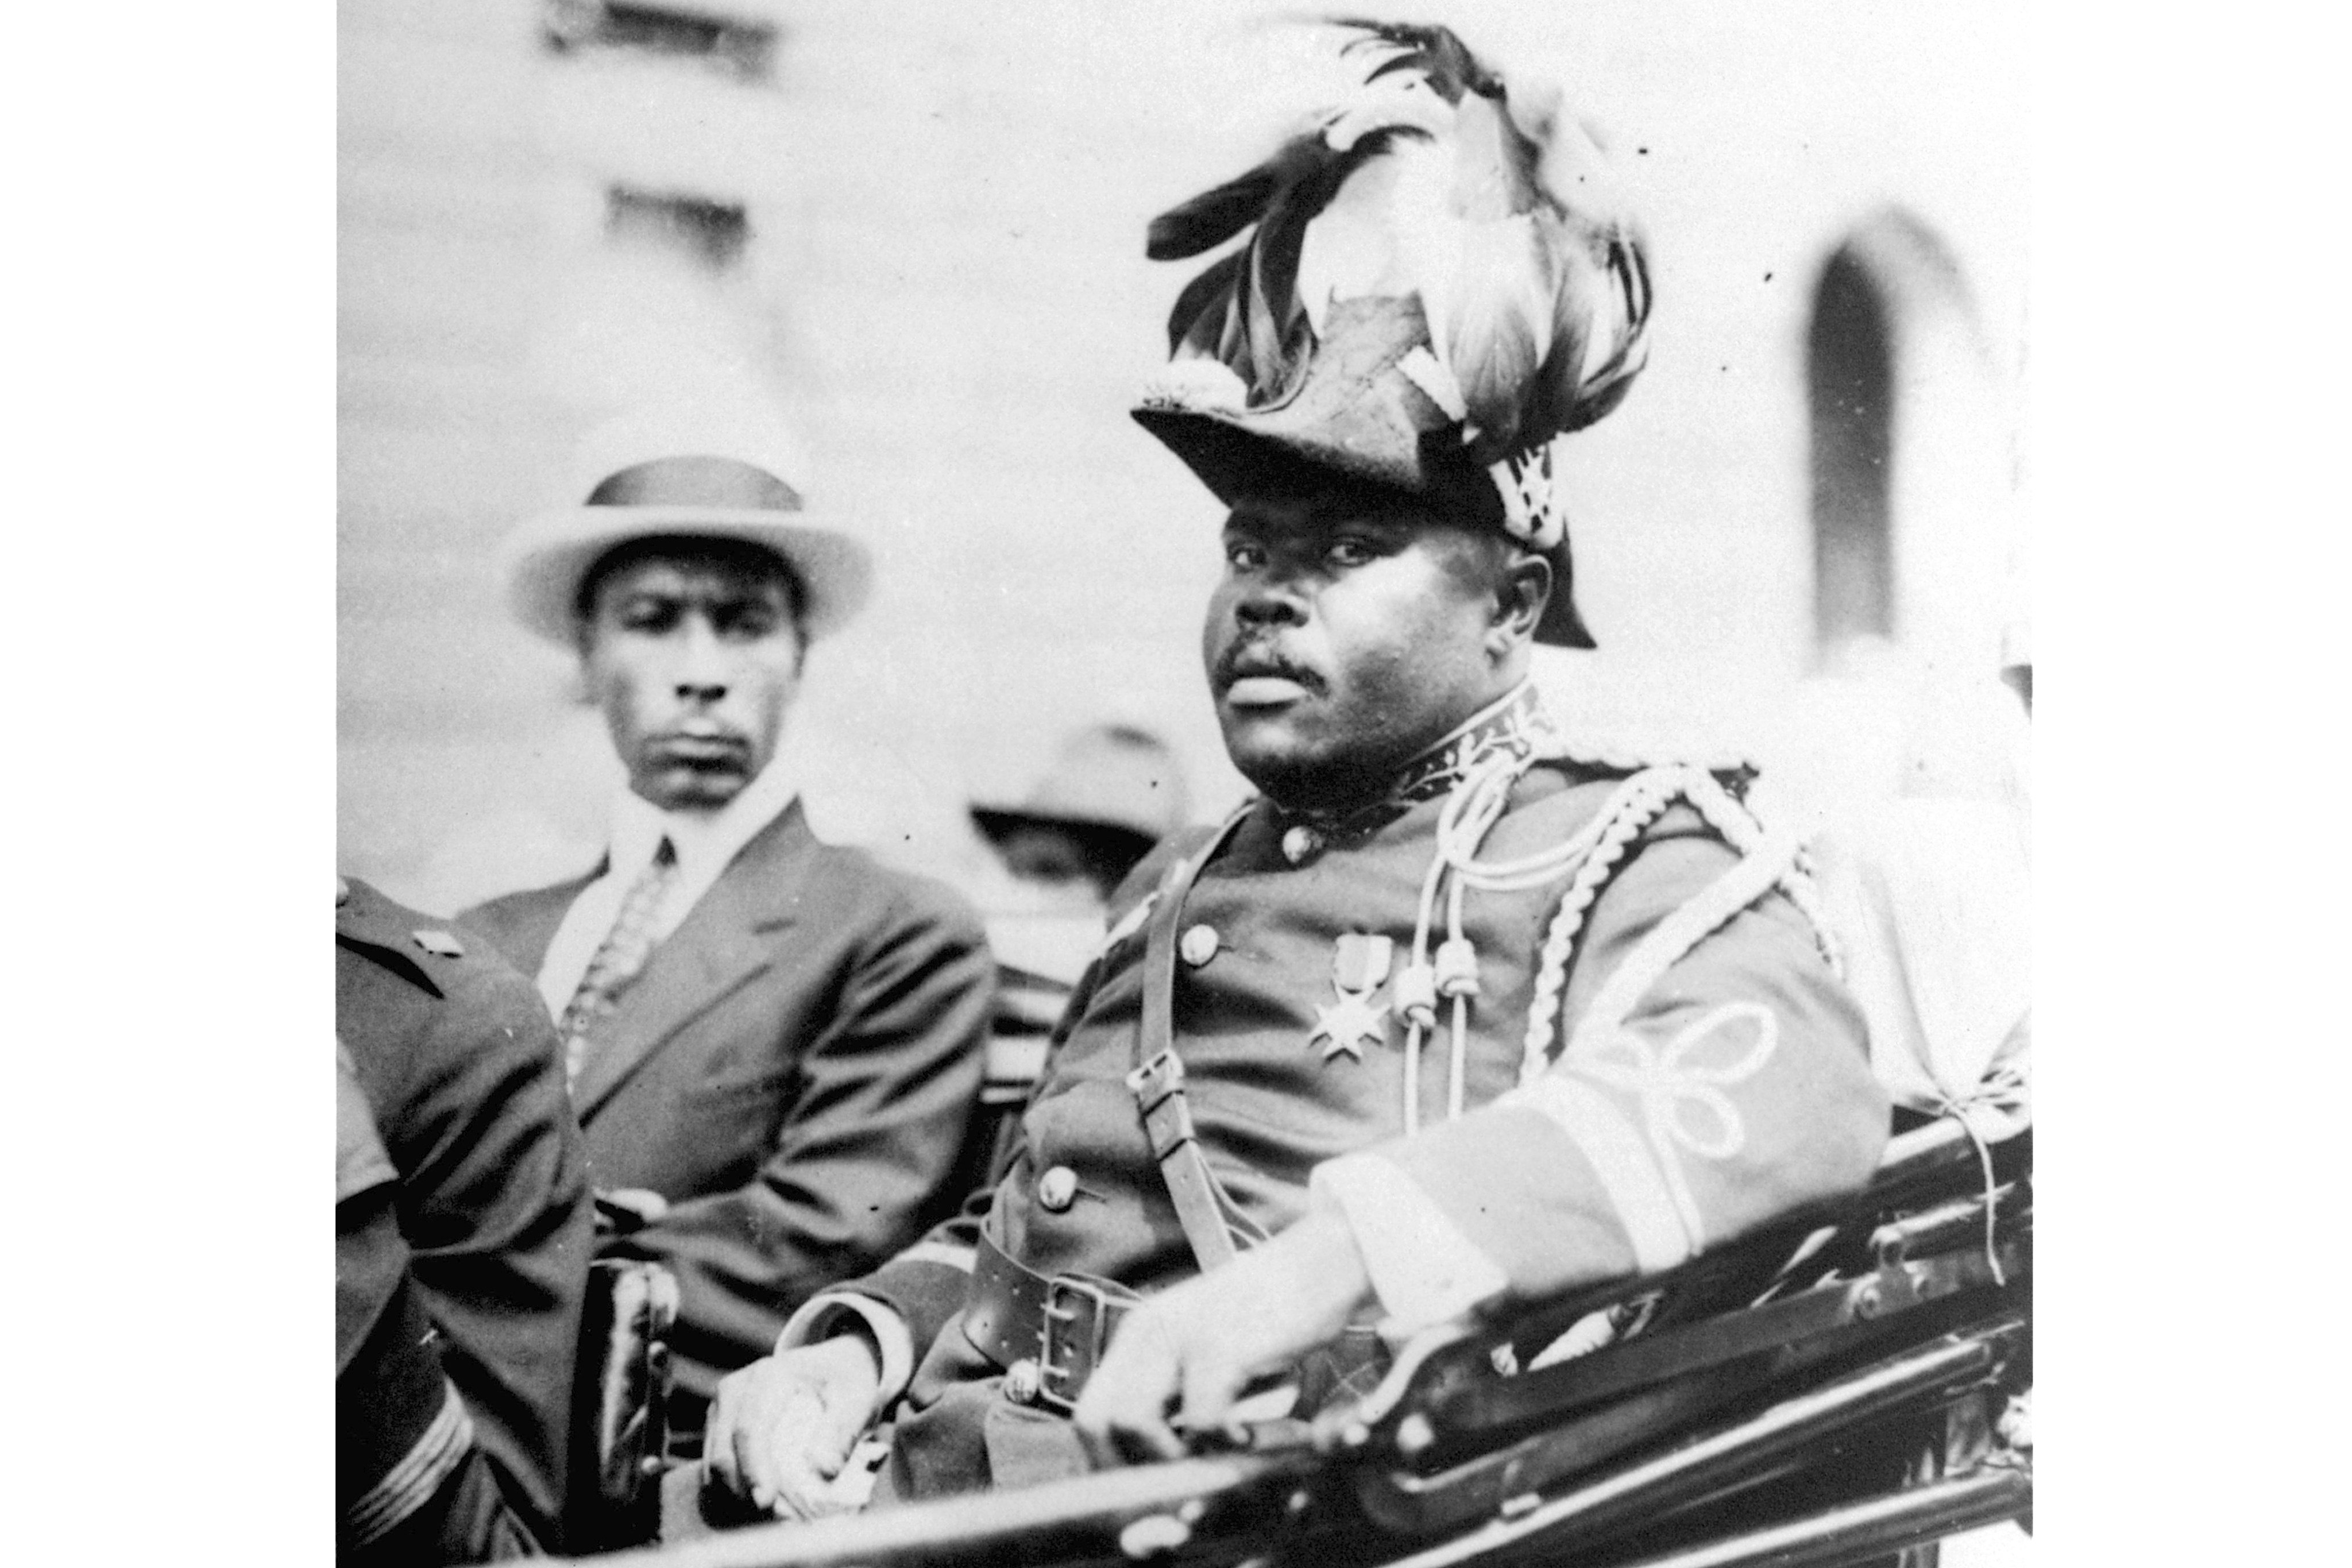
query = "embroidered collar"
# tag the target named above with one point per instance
(1516, 726)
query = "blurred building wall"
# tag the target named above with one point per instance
(919, 230)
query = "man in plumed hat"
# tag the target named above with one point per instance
(774, 1045)
(1460, 1012)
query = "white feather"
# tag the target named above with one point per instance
(1348, 249)
(1427, 236)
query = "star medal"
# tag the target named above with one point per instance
(1359, 966)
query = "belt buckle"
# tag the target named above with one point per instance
(1059, 1380)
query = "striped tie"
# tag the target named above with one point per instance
(618, 958)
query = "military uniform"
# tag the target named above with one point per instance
(1693, 1068)
(463, 1237)
(1531, 1017)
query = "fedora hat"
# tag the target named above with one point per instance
(1112, 784)
(685, 474)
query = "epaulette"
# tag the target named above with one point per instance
(1767, 862)
(1624, 752)
(366, 922)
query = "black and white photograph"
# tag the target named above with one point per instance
(1202, 782)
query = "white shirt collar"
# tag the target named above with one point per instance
(704, 841)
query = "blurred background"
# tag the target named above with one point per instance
(918, 230)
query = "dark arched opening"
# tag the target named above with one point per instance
(1849, 366)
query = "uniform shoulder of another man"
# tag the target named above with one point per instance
(419, 947)
(430, 954)
(411, 988)
(457, 1064)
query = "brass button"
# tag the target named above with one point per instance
(1198, 945)
(1021, 1382)
(1057, 1188)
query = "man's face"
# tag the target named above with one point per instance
(1345, 638)
(693, 657)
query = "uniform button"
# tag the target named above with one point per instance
(1057, 1187)
(1199, 946)
(1021, 1382)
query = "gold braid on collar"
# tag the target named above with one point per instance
(1516, 726)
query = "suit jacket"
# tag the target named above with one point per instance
(492, 1226)
(795, 1069)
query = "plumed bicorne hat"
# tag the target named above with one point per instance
(691, 470)
(1439, 279)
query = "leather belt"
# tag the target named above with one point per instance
(1047, 1331)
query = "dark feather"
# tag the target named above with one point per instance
(1262, 333)
(1275, 248)
(1213, 216)
(1435, 51)
(1540, 271)
(1605, 388)
(1204, 300)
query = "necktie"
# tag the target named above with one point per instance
(618, 958)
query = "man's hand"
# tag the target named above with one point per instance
(781, 1428)
(1198, 1346)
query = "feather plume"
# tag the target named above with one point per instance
(1432, 178)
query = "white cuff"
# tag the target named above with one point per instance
(821, 1318)
(1640, 1198)
(1422, 1267)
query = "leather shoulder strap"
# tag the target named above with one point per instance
(1157, 1080)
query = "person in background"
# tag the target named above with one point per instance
(1112, 793)
(463, 1232)
(773, 1043)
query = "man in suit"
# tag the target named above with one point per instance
(775, 1045)
(462, 1236)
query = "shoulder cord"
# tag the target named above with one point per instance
(1767, 860)
(1470, 811)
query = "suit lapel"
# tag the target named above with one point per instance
(725, 941)
(527, 935)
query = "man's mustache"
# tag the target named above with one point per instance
(1261, 657)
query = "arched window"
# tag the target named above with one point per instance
(1910, 452)
(1850, 377)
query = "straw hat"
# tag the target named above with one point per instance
(698, 473)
